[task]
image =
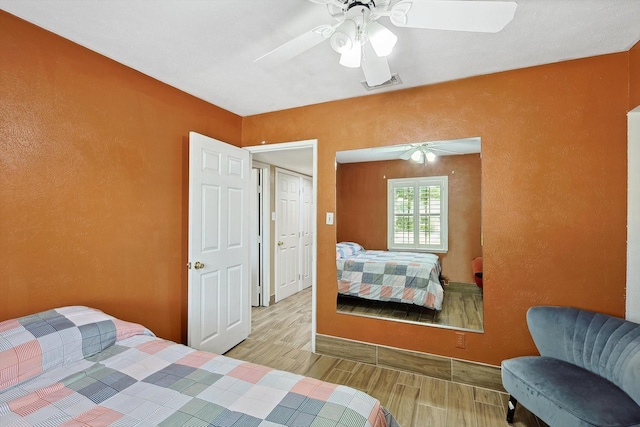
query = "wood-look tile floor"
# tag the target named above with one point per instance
(281, 339)
(462, 307)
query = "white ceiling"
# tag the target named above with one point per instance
(207, 47)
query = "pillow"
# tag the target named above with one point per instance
(51, 339)
(346, 249)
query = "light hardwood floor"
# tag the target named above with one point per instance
(280, 338)
(462, 307)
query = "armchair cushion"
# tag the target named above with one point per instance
(558, 392)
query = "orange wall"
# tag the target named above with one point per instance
(94, 181)
(634, 76)
(361, 206)
(553, 190)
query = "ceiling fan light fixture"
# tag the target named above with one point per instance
(382, 39)
(363, 42)
(423, 155)
(429, 155)
(345, 37)
(352, 58)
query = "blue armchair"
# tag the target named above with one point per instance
(587, 374)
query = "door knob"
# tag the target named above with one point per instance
(198, 265)
(280, 243)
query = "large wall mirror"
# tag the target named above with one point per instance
(409, 233)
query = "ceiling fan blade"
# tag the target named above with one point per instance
(407, 154)
(296, 46)
(442, 152)
(394, 148)
(456, 15)
(375, 68)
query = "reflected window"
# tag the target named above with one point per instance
(417, 214)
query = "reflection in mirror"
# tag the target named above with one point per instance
(413, 212)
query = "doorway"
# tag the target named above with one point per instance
(291, 156)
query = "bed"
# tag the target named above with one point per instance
(77, 366)
(406, 277)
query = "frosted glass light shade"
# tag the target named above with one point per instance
(345, 36)
(423, 155)
(352, 58)
(430, 156)
(381, 38)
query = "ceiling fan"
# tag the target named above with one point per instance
(443, 148)
(363, 42)
(423, 152)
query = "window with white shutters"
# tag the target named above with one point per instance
(417, 214)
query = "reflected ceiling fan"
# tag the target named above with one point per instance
(363, 42)
(426, 152)
(423, 152)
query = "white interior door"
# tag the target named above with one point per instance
(306, 257)
(219, 191)
(287, 234)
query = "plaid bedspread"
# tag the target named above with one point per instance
(80, 367)
(406, 277)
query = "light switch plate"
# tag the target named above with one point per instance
(329, 218)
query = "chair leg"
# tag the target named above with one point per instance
(511, 408)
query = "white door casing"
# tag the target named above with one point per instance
(262, 217)
(255, 246)
(633, 216)
(219, 314)
(287, 234)
(306, 257)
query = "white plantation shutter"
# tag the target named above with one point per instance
(417, 214)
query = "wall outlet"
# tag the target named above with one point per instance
(461, 340)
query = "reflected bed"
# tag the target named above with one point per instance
(406, 277)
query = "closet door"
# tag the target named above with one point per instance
(287, 234)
